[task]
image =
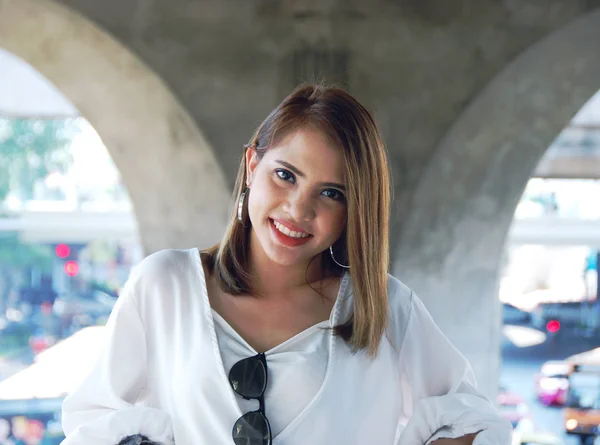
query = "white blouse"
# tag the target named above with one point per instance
(164, 373)
(296, 369)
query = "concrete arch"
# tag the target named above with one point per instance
(453, 238)
(177, 188)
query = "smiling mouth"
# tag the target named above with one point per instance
(291, 233)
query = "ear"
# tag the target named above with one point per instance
(251, 163)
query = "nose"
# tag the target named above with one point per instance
(301, 206)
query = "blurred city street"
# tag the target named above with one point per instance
(520, 366)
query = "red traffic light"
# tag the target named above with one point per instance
(553, 326)
(71, 268)
(62, 251)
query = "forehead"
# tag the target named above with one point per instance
(311, 152)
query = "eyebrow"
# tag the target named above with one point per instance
(302, 175)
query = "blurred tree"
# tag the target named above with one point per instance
(16, 257)
(32, 148)
(17, 254)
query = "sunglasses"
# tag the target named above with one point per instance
(248, 378)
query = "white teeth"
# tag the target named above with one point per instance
(288, 232)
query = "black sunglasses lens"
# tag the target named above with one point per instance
(249, 378)
(252, 429)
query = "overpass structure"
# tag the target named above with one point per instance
(555, 231)
(72, 227)
(81, 227)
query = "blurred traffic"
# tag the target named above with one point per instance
(50, 332)
(551, 390)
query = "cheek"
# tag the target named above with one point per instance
(262, 184)
(262, 195)
(342, 219)
(335, 221)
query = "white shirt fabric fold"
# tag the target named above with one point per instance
(164, 373)
(296, 369)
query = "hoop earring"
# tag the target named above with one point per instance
(334, 260)
(240, 212)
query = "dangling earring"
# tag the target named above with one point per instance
(240, 212)
(334, 260)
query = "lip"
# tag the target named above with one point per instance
(290, 226)
(288, 241)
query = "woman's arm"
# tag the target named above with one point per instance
(102, 410)
(464, 440)
(441, 391)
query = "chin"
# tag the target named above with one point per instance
(286, 258)
(283, 256)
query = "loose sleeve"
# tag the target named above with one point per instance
(440, 389)
(102, 410)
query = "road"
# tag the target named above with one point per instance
(520, 365)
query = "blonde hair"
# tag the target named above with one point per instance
(364, 245)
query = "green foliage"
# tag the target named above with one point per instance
(16, 254)
(32, 148)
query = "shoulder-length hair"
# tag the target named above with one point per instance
(364, 245)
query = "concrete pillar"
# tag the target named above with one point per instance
(177, 188)
(454, 233)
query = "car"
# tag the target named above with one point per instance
(552, 383)
(582, 412)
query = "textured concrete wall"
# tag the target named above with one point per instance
(454, 236)
(176, 186)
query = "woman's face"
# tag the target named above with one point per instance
(297, 203)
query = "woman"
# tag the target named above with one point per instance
(290, 331)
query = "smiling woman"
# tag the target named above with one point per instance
(290, 330)
(336, 181)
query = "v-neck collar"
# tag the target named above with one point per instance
(281, 346)
(337, 309)
(333, 320)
